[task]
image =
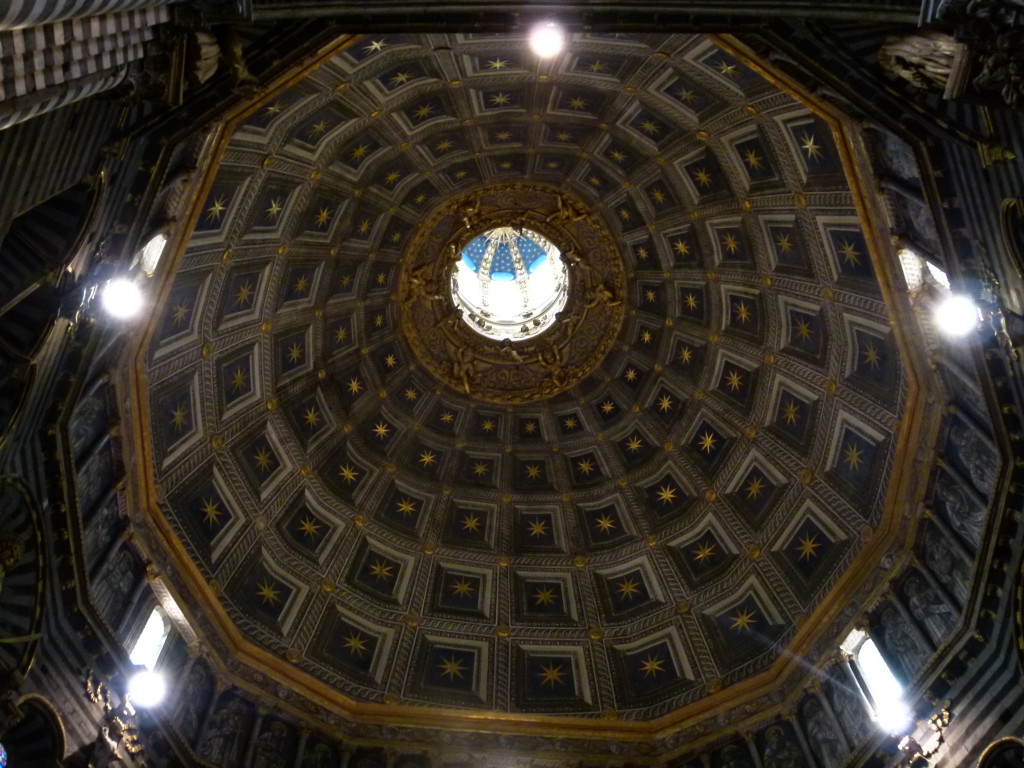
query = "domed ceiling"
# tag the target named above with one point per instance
(633, 510)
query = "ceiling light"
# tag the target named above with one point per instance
(122, 298)
(147, 689)
(956, 316)
(547, 39)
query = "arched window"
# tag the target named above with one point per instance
(879, 687)
(151, 640)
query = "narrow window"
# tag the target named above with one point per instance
(151, 640)
(879, 686)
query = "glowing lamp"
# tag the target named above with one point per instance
(122, 298)
(547, 39)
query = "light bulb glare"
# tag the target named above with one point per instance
(893, 717)
(147, 689)
(956, 316)
(122, 298)
(547, 39)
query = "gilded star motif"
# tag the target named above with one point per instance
(245, 293)
(263, 458)
(872, 357)
(311, 417)
(179, 417)
(634, 443)
(577, 103)
(301, 284)
(704, 551)
(214, 212)
(665, 403)
(348, 473)
(730, 243)
(211, 512)
(295, 353)
(355, 644)
(791, 412)
(180, 313)
(451, 668)
(755, 487)
(691, 301)
(355, 386)
(686, 355)
(733, 380)
(753, 161)
(533, 471)
(569, 422)
(585, 466)
(802, 330)
(411, 394)
(500, 99)
(849, 253)
(274, 208)
(268, 593)
(810, 146)
(481, 468)
(741, 311)
(428, 458)
(681, 247)
(783, 243)
(544, 595)
(537, 527)
(381, 430)
(605, 523)
(462, 587)
(323, 216)
(498, 63)
(666, 494)
(708, 441)
(382, 570)
(308, 526)
(239, 379)
(627, 589)
(808, 547)
(407, 507)
(702, 177)
(551, 674)
(607, 407)
(471, 523)
(853, 456)
(652, 665)
(742, 620)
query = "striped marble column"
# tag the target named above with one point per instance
(47, 66)
(16, 14)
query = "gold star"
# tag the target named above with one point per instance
(544, 595)
(686, 95)
(309, 527)
(849, 253)
(597, 66)
(585, 466)
(651, 295)
(471, 523)
(607, 407)
(213, 213)
(451, 668)
(180, 313)
(274, 109)
(631, 374)
(646, 337)
(425, 111)
(743, 620)
(360, 152)
(734, 380)
(239, 379)
(317, 128)
(500, 99)
(563, 136)
(447, 417)
(407, 507)
(577, 102)
(681, 247)
(650, 127)
(752, 160)
(355, 386)
(569, 422)
(481, 468)
(295, 353)
(634, 444)
(810, 146)
(390, 361)
(708, 441)
(503, 135)
(323, 216)
(311, 417)
(443, 145)
(624, 214)
(355, 644)
(617, 155)
(808, 547)
(301, 284)
(179, 417)
(595, 181)
(652, 665)
(642, 254)
(420, 198)
(691, 301)
(791, 412)
(341, 334)
(872, 356)
(730, 243)
(392, 177)
(461, 173)
(411, 394)
(211, 512)
(268, 593)
(401, 78)
(755, 487)
(666, 494)
(382, 278)
(378, 321)
(462, 588)
(498, 63)
(627, 589)
(364, 226)
(665, 402)
(605, 523)
(348, 473)
(245, 292)
(702, 177)
(346, 281)
(552, 674)
(263, 458)
(685, 355)
(742, 312)
(852, 456)
(381, 570)
(727, 69)
(274, 209)
(704, 551)
(802, 330)
(784, 243)
(375, 46)
(538, 527)
(427, 458)
(381, 430)
(487, 425)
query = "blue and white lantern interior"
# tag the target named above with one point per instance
(510, 283)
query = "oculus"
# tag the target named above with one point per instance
(510, 283)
